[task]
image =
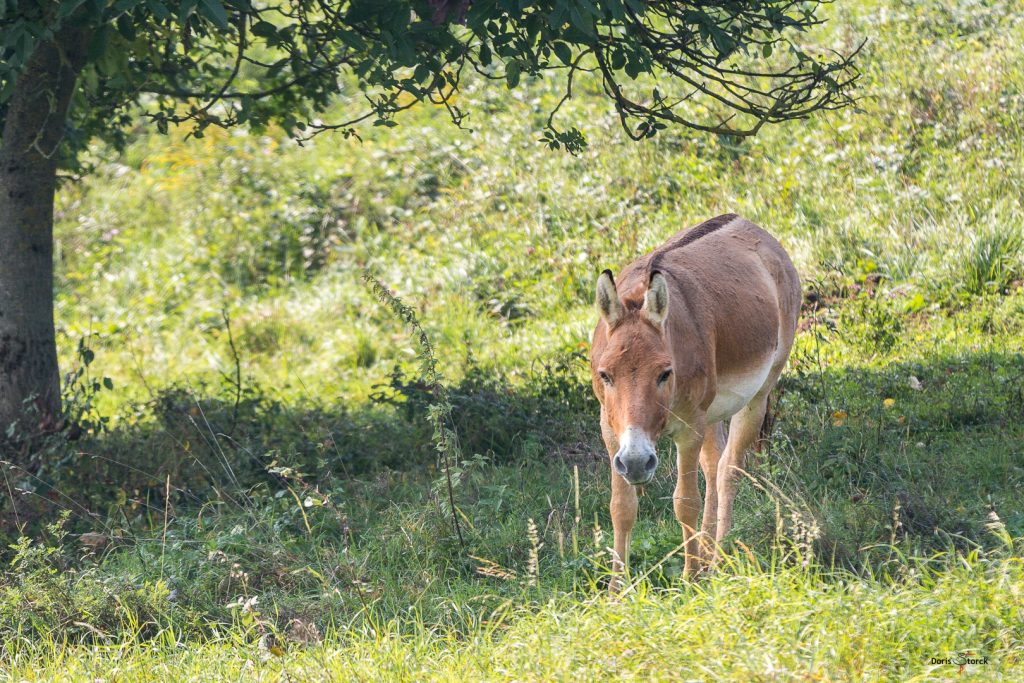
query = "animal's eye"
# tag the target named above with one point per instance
(664, 376)
(604, 377)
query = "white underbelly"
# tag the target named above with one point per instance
(736, 391)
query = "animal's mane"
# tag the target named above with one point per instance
(688, 237)
(691, 236)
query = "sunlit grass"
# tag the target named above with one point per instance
(742, 624)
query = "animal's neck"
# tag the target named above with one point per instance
(689, 331)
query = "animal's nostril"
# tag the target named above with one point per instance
(619, 466)
(652, 462)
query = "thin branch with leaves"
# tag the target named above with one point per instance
(445, 436)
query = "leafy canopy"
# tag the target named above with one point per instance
(228, 62)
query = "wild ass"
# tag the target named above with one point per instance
(692, 334)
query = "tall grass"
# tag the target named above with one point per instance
(993, 262)
(747, 624)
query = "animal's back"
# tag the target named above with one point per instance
(737, 281)
(720, 250)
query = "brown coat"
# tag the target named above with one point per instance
(694, 333)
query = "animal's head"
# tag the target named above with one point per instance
(633, 374)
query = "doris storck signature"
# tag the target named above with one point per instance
(961, 660)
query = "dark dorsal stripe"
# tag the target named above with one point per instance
(705, 228)
(690, 236)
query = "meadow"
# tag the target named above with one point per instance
(259, 490)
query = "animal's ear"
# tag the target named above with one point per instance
(608, 299)
(656, 299)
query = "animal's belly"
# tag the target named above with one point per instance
(736, 391)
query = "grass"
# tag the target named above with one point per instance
(787, 624)
(261, 469)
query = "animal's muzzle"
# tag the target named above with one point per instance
(636, 467)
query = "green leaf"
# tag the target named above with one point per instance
(766, 51)
(422, 73)
(214, 11)
(264, 29)
(512, 72)
(185, 9)
(351, 39)
(724, 43)
(485, 54)
(98, 44)
(563, 52)
(916, 304)
(533, 26)
(7, 89)
(126, 27)
(617, 9)
(68, 7)
(581, 23)
(158, 9)
(122, 6)
(634, 68)
(618, 59)
(557, 18)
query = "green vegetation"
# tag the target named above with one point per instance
(265, 499)
(74, 72)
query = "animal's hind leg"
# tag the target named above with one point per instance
(710, 454)
(743, 430)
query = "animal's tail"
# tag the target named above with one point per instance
(762, 445)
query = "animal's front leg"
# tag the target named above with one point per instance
(623, 508)
(686, 499)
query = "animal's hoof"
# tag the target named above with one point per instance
(616, 586)
(695, 573)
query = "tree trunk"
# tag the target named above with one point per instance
(29, 152)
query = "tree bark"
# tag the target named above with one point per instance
(30, 142)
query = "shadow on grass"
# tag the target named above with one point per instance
(188, 446)
(914, 454)
(912, 451)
